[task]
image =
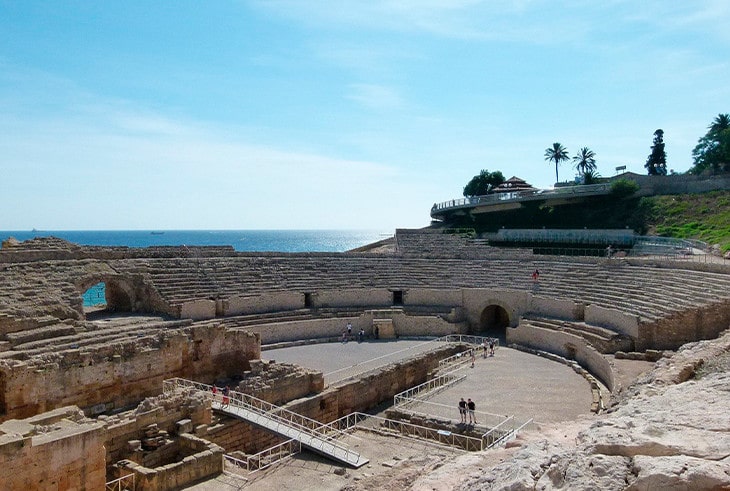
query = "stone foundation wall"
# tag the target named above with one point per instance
(118, 376)
(205, 459)
(163, 411)
(689, 325)
(52, 451)
(235, 435)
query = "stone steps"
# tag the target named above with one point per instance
(41, 333)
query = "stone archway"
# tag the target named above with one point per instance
(118, 294)
(494, 321)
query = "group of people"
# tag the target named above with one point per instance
(347, 334)
(488, 348)
(468, 408)
(225, 395)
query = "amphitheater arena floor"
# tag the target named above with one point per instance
(509, 383)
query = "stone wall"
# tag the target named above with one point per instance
(53, 451)
(203, 460)
(552, 307)
(256, 304)
(566, 345)
(354, 297)
(514, 302)
(689, 325)
(612, 319)
(165, 411)
(111, 377)
(432, 297)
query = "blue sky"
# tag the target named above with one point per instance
(296, 114)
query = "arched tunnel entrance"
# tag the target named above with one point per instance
(494, 321)
(106, 297)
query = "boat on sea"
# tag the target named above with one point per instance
(157, 233)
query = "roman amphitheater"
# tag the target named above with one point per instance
(123, 396)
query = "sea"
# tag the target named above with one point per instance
(241, 240)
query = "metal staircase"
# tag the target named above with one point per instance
(312, 434)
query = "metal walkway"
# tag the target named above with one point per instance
(312, 434)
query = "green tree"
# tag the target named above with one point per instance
(656, 163)
(713, 150)
(557, 153)
(481, 184)
(585, 162)
(591, 177)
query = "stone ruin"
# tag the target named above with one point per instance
(202, 313)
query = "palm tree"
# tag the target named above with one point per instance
(585, 161)
(721, 123)
(557, 153)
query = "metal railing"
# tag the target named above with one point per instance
(438, 435)
(426, 389)
(470, 339)
(124, 483)
(267, 457)
(284, 418)
(583, 190)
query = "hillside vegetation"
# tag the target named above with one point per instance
(690, 216)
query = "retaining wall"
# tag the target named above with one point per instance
(566, 345)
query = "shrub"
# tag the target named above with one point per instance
(623, 188)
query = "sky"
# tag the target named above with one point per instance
(341, 114)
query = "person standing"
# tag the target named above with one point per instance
(349, 330)
(462, 410)
(471, 407)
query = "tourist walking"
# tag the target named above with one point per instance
(491, 347)
(226, 397)
(471, 408)
(349, 329)
(462, 410)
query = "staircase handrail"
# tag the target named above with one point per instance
(272, 412)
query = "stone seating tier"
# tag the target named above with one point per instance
(604, 340)
(95, 335)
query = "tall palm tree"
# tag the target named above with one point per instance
(585, 161)
(557, 153)
(721, 123)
